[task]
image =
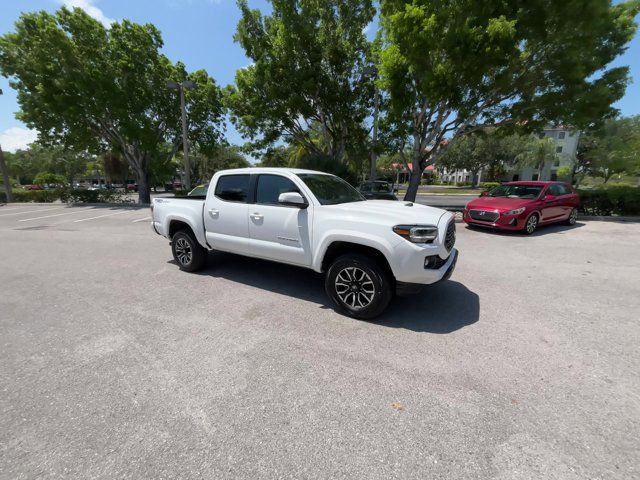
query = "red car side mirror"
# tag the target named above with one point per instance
(548, 198)
(484, 194)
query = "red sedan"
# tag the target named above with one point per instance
(523, 206)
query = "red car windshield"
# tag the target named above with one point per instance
(516, 191)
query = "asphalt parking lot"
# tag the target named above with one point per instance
(115, 364)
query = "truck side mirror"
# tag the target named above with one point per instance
(292, 199)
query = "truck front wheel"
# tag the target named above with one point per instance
(187, 252)
(358, 286)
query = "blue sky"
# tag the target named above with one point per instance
(199, 33)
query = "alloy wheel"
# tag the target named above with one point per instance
(354, 288)
(573, 217)
(532, 223)
(183, 251)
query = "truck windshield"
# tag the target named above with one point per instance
(330, 190)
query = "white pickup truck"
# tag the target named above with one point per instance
(368, 249)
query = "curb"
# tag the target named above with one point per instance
(597, 218)
(104, 205)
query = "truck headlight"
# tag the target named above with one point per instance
(417, 233)
(516, 211)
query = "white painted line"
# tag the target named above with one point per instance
(56, 215)
(141, 219)
(101, 216)
(31, 211)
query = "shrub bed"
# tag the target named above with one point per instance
(66, 195)
(488, 185)
(610, 201)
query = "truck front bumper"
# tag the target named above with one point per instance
(434, 276)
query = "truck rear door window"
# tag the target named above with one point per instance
(233, 188)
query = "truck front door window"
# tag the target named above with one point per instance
(271, 186)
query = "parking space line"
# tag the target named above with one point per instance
(141, 219)
(56, 215)
(101, 216)
(31, 211)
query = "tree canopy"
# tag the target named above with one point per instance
(308, 75)
(612, 149)
(87, 87)
(484, 150)
(454, 67)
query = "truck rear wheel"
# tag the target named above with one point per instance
(187, 252)
(358, 286)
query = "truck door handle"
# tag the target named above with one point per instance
(257, 216)
(214, 212)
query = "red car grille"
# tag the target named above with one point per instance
(484, 215)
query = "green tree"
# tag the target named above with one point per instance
(483, 150)
(26, 164)
(278, 156)
(612, 149)
(222, 158)
(537, 153)
(91, 88)
(309, 76)
(454, 67)
(48, 178)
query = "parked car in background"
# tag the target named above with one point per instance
(199, 191)
(523, 206)
(377, 190)
(368, 250)
(132, 187)
(33, 187)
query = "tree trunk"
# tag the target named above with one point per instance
(414, 183)
(474, 178)
(144, 191)
(5, 177)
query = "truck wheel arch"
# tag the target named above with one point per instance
(177, 225)
(338, 248)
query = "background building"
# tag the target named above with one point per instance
(566, 145)
(566, 142)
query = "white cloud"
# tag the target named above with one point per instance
(89, 7)
(17, 138)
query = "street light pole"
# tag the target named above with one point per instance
(374, 139)
(185, 143)
(5, 175)
(189, 85)
(372, 71)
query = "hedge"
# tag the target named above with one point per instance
(610, 201)
(66, 195)
(488, 185)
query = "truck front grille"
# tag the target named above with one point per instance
(450, 237)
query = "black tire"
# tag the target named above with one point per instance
(353, 280)
(531, 224)
(573, 217)
(187, 252)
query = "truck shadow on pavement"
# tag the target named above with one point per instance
(441, 308)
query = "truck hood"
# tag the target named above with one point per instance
(392, 212)
(497, 203)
